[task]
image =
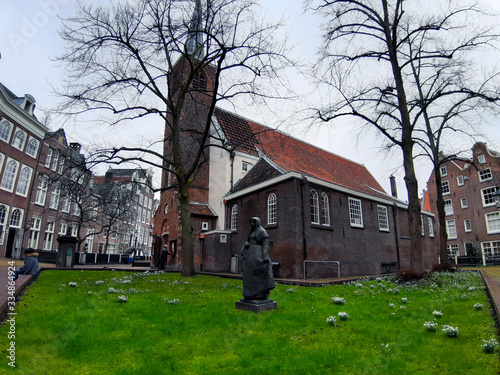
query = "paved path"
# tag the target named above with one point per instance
(491, 276)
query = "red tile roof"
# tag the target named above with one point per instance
(202, 209)
(293, 155)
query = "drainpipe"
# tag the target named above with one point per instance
(232, 154)
(394, 215)
(303, 182)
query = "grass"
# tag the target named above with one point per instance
(83, 329)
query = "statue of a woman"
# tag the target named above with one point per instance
(258, 278)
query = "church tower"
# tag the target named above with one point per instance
(191, 91)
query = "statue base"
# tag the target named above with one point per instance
(256, 305)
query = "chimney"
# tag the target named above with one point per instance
(394, 189)
(76, 146)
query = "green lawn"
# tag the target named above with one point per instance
(84, 329)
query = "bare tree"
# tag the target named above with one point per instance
(164, 58)
(382, 57)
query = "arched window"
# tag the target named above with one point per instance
(9, 175)
(15, 219)
(3, 218)
(325, 209)
(200, 81)
(19, 139)
(271, 209)
(5, 129)
(24, 180)
(32, 147)
(234, 217)
(314, 207)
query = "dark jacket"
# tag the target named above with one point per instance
(30, 265)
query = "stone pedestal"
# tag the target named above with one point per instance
(256, 305)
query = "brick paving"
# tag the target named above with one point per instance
(491, 276)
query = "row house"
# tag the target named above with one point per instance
(21, 138)
(126, 208)
(471, 193)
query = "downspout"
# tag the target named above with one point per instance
(394, 215)
(303, 182)
(231, 160)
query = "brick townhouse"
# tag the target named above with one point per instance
(470, 190)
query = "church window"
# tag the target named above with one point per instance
(271, 209)
(234, 217)
(200, 81)
(325, 209)
(314, 207)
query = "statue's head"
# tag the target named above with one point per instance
(254, 223)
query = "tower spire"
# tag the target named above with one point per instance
(194, 43)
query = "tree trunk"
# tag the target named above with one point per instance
(187, 230)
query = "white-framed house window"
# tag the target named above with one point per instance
(481, 159)
(32, 147)
(491, 248)
(271, 209)
(451, 229)
(325, 209)
(234, 217)
(2, 158)
(63, 229)
(16, 218)
(5, 130)
(19, 139)
(445, 187)
(35, 232)
(55, 161)
(314, 207)
(9, 175)
(49, 235)
(54, 197)
(488, 197)
(452, 249)
(383, 218)
(467, 225)
(24, 181)
(355, 213)
(431, 226)
(492, 222)
(448, 207)
(485, 175)
(41, 193)
(460, 180)
(443, 171)
(463, 203)
(48, 158)
(4, 214)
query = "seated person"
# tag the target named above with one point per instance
(30, 264)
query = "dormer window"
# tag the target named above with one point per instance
(481, 159)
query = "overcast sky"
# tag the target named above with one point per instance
(29, 40)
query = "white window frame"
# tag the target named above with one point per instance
(445, 187)
(485, 175)
(41, 193)
(55, 196)
(19, 221)
(2, 159)
(443, 171)
(491, 248)
(452, 249)
(6, 137)
(314, 201)
(325, 209)
(430, 224)
(49, 235)
(9, 180)
(467, 225)
(492, 222)
(24, 182)
(487, 196)
(448, 207)
(3, 221)
(22, 136)
(32, 147)
(451, 229)
(35, 232)
(234, 217)
(383, 218)
(355, 213)
(63, 229)
(481, 159)
(55, 161)
(48, 158)
(272, 209)
(464, 203)
(460, 180)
